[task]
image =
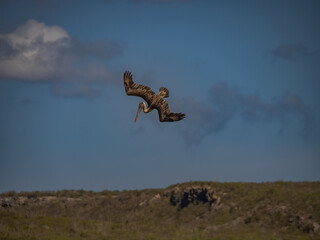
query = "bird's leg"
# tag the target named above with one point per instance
(142, 105)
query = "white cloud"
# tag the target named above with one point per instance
(37, 52)
(34, 51)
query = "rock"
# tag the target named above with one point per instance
(182, 197)
(144, 203)
(152, 200)
(5, 204)
(305, 224)
(156, 197)
(316, 227)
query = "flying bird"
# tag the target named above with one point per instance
(154, 101)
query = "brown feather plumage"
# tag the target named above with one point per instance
(154, 101)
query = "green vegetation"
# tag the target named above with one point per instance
(267, 211)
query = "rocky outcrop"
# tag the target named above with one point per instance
(183, 196)
(5, 204)
(154, 199)
(307, 225)
(12, 201)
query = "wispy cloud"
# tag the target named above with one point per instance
(75, 91)
(224, 103)
(289, 51)
(28, 101)
(36, 52)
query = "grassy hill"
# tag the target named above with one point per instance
(192, 210)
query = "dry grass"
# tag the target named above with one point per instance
(277, 210)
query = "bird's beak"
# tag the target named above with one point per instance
(139, 110)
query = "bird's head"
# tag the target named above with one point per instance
(163, 92)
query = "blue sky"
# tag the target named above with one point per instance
(246, 74)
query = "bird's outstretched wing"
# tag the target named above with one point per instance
(164, 113)
(136, 89)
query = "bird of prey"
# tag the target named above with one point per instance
(154, 101)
